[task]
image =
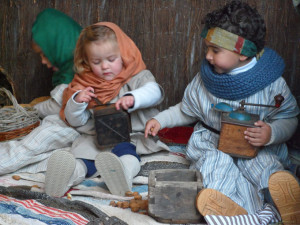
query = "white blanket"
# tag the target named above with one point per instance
(30, 154)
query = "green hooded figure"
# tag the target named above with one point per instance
(56, 34)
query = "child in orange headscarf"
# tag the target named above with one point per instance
(109, 67)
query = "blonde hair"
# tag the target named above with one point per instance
(90, 34)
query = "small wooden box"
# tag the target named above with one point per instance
(172, 195)
(112, 126)
(232, 139)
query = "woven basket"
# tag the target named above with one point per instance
(16, 121)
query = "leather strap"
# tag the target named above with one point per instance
(210, 128)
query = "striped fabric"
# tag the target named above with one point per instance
(34, 210)
(57, 93)
(242, 180)
(31, 153)
(229, 41)
(266, 216)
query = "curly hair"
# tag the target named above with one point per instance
(241, 19)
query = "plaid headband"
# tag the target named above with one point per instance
(229, 41)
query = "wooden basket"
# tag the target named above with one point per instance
(16, 121)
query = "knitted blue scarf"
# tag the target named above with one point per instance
(235, 87)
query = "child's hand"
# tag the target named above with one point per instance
(152, 127)
(260, 135)
(85, 95)
(125, 102)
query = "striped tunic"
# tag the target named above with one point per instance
(242, 180)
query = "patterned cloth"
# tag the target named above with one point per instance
(263, 217)
(229, 41)
(20, 210)
(92, 192)
(31, 153)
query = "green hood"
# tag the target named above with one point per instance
(57, 34)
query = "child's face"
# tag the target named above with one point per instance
(104, 59)
(223, 60)
(45, 60)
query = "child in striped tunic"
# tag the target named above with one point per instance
(238, 67)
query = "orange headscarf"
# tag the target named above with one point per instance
(108, 90)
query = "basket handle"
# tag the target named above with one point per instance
(12, 98)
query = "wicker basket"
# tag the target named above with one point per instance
(16, 121)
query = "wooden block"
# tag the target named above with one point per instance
(172, 195)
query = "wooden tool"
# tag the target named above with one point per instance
(232, 139)
(233, 124)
